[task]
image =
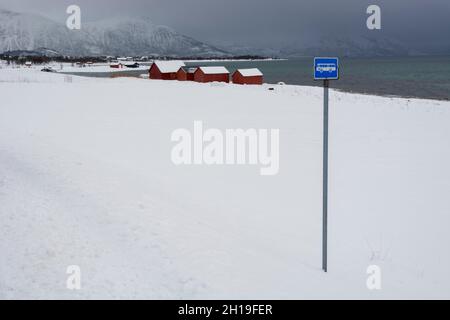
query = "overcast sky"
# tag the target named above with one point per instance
(265, 22)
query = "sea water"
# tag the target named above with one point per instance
(421, 77)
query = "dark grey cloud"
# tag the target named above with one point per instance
(267, 22)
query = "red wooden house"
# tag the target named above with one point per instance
(165, 70)
(248, 76)
(186, 74)
(212, 74)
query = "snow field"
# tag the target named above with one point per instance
(86, 179)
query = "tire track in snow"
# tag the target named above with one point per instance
(49, 224)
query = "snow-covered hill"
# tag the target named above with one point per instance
(30, 32)
(137, 36)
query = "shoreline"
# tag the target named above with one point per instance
(108, 73)
(116, 74)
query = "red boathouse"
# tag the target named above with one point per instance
(248, 76)
(165, 70)
(212, 74)
(186, 74)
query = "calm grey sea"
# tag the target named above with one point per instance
(422, 77)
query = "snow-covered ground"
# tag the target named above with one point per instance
(74, 69)
(86, 179)
(100, 68)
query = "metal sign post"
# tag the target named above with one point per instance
(325, 69)
(326, 85)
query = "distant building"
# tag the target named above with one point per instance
(212, 74)
(28, 64)
(248, 76)
(132, 65)
(116, 65)
(165, 70)
(186, 73)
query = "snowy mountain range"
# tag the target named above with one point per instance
(140, 37)
(131, 37)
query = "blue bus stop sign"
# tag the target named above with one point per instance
(326, 68)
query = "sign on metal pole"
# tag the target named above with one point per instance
(325, 69)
